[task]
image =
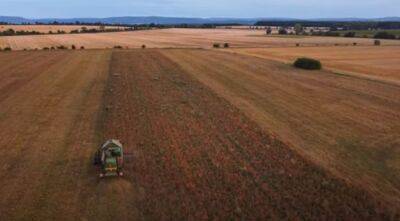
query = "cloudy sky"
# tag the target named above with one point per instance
(201, 8)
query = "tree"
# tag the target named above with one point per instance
(298, 28)
(269, 31)
(282, 31)
(384, 35)
(350, 35)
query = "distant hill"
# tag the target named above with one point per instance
(175, 20)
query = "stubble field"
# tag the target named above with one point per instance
(182, 38)
(54, 28)
(204, 146)
(372, 62)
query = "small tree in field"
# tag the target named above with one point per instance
(308, 64)
(377, 42)
(350, 35)
(298, 28)
(283, 31)
(143, 46)
(216, 45)
(384, 35)
(226, 45)
(73, 47)
(269, 31)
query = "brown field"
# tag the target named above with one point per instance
(348, 125)
(182, 38)
(379, 63)
(53, 28)
(201, 126)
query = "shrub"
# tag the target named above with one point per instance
(226, 45)
(7, 49)
(384, 35)
(297, 45)
(308, 63)
(269, 31)
(143, 46)
(46, 48)
(118, 47)
(52, 48)
(377, 42)
(61, 47)
(283, 31)
(82, 47)
(355, 43)
(298, 28)
(73, 47)
(350, 35)
(216, 45)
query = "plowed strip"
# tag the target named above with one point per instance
(349, 125)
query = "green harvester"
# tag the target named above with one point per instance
(110, 157)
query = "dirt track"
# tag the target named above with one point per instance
(195, 155)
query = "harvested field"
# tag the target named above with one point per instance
(348, 125)
(183, 38)
(378, 63)
(53, 28)
(195, 155)
(48, 107)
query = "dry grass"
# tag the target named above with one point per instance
(379, 63)
(48, 116)
(183, 38)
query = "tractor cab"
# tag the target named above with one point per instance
(110, 158)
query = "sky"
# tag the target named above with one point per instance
(201, 8)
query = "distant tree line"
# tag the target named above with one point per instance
(333, 24)
(12, 32)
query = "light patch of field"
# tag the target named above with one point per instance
(172, 38)
(48, 118)
(53, 28)
(348, 125)
(379, 63)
